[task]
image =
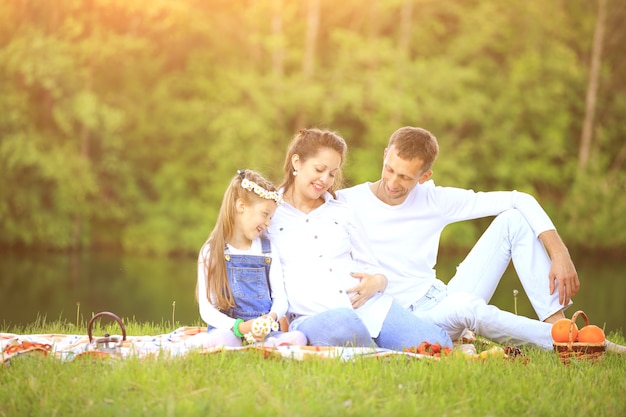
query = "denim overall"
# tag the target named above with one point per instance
(248, 277)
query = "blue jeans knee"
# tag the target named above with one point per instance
(402, 329)
(336, 327)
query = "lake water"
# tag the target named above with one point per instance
(149, 289)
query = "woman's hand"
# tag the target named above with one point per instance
(366, 288)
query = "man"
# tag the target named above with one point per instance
(403, 215)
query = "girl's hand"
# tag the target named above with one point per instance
(272, 315)
(260, 327)
(246, 327)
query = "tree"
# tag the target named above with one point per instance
(592, 89)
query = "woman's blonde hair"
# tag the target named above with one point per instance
(216, 278)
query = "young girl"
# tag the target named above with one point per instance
(237, 281)
(325, 254)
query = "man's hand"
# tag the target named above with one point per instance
(366, 288)
(563, 276)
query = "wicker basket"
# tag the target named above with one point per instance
(571, 350)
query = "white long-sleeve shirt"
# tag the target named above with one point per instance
(318, 251)
(211, 315)
(405, 237)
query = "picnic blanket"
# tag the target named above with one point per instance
(180, 342)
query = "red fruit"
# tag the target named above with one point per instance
(423, 348)
(435, 348)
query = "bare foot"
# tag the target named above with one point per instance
(556, 316)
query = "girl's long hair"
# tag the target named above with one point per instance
(216, 279)
(306, 144)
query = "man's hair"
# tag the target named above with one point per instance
(414, 142)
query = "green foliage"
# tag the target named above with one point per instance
(602, 199)
(121, 124)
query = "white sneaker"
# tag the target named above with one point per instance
(612, 347)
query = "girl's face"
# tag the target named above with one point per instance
(317, 174)
(251, 219)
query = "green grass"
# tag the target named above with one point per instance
(246, 383)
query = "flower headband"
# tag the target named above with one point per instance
(258, 190)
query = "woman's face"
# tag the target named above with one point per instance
(317, 174)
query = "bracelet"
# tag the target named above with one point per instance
(236, 327)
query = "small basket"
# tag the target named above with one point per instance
(579, 351)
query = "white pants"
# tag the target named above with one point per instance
(463, 303)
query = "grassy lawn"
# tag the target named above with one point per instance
(245, 383)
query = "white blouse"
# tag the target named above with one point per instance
(318, 251)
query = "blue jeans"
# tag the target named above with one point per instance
(402, 329)
(342, 327)
(336, 327)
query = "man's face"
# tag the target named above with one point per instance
(399, 177)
